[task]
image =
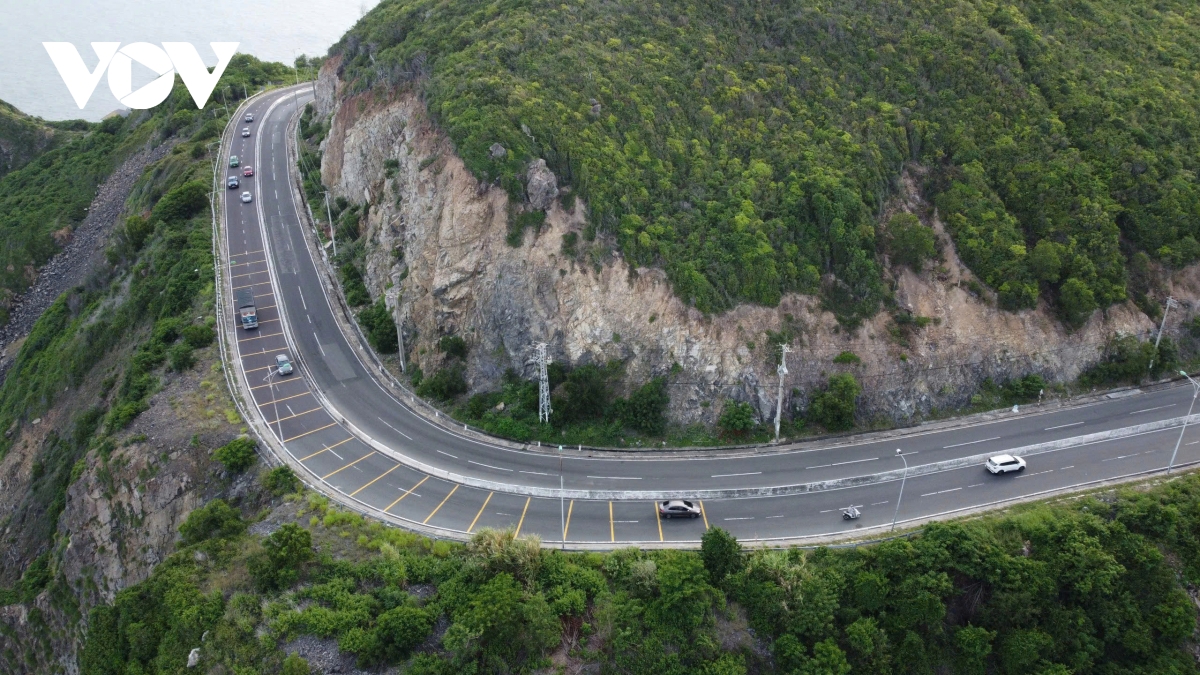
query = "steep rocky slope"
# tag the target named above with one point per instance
(438, 234)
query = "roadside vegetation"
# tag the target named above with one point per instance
(1083, 586)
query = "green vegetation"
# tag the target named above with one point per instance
(737, 419)
(908, 242)
(747, 149)
(376, 321)
(237, 455)
(1089, 586)
(586, 408)
(834, 407)
(24, 138)
(847, 358)
(280, 481)
(1128, 361)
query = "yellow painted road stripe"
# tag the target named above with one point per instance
(568, 526)
(302, 459)
(283, 419)
(522, 521)
(406, 493)
(658, 519)
(394, 467)
(248, 252)
(289, 440)
(246, 274)
(260, 283)
(612, 530)
(281, 400)
(348, 465)
(248, 262)
(704, 514)
(277, 384)
(485, 503)
(439, 506)
(259, 337)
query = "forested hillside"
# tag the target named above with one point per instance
(1094, 586)
(748, 147)
(23, 137)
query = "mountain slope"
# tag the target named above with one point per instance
(747, 147)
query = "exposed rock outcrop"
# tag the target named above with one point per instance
(541, 185)
(462, 278)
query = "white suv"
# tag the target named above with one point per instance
(1005, 463)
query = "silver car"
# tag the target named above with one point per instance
(247, 197)
(283, 364)
(678, 508)
(245, 131)
(249, 117)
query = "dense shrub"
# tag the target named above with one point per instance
(280, 481)
(453, 346)
(444, 385)
(736, 418)
(834, 407)
(353, 286)
(377, 323)
(284, 551)
(909, 242)
(215, 519)
(237, 455)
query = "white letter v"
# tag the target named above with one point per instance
(74, 73)
(196, 78)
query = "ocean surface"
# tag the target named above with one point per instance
(272, 30)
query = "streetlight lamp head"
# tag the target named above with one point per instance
(1183, 373)
(898, 452)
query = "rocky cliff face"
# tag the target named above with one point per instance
(438, 235)
(121, 514)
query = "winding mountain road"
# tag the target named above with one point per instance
(358, 438)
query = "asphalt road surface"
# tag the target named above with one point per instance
(268, 254)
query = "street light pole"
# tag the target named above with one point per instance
(562, 500)
(903, 478)
(274, 406)
(1195, 393)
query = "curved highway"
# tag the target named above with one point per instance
(354, 437)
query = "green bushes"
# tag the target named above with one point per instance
(834, 407)
(278, 564)
(280, 481)
(377, 323)
(1127, 361)
(446, 384)
(353, 286)
(736, 419)
(453, 346)
(847, 358)
(1089, 585)
(215, 519)
(237, 455)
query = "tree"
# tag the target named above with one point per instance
(237, 455)
(834, 407)
(398, 631)
(645, 411)
(284, 550)
(1045, 261)
(972, 646)
(280, 481)
(295, 665)
(213, 520)
(909, 242)
(736, 418)
(721, 553)
(1077, 301)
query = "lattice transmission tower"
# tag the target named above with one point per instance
(543, 383)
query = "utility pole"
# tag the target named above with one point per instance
(332, 230)
(782, 370)
(1161, 328)
(543, 383)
